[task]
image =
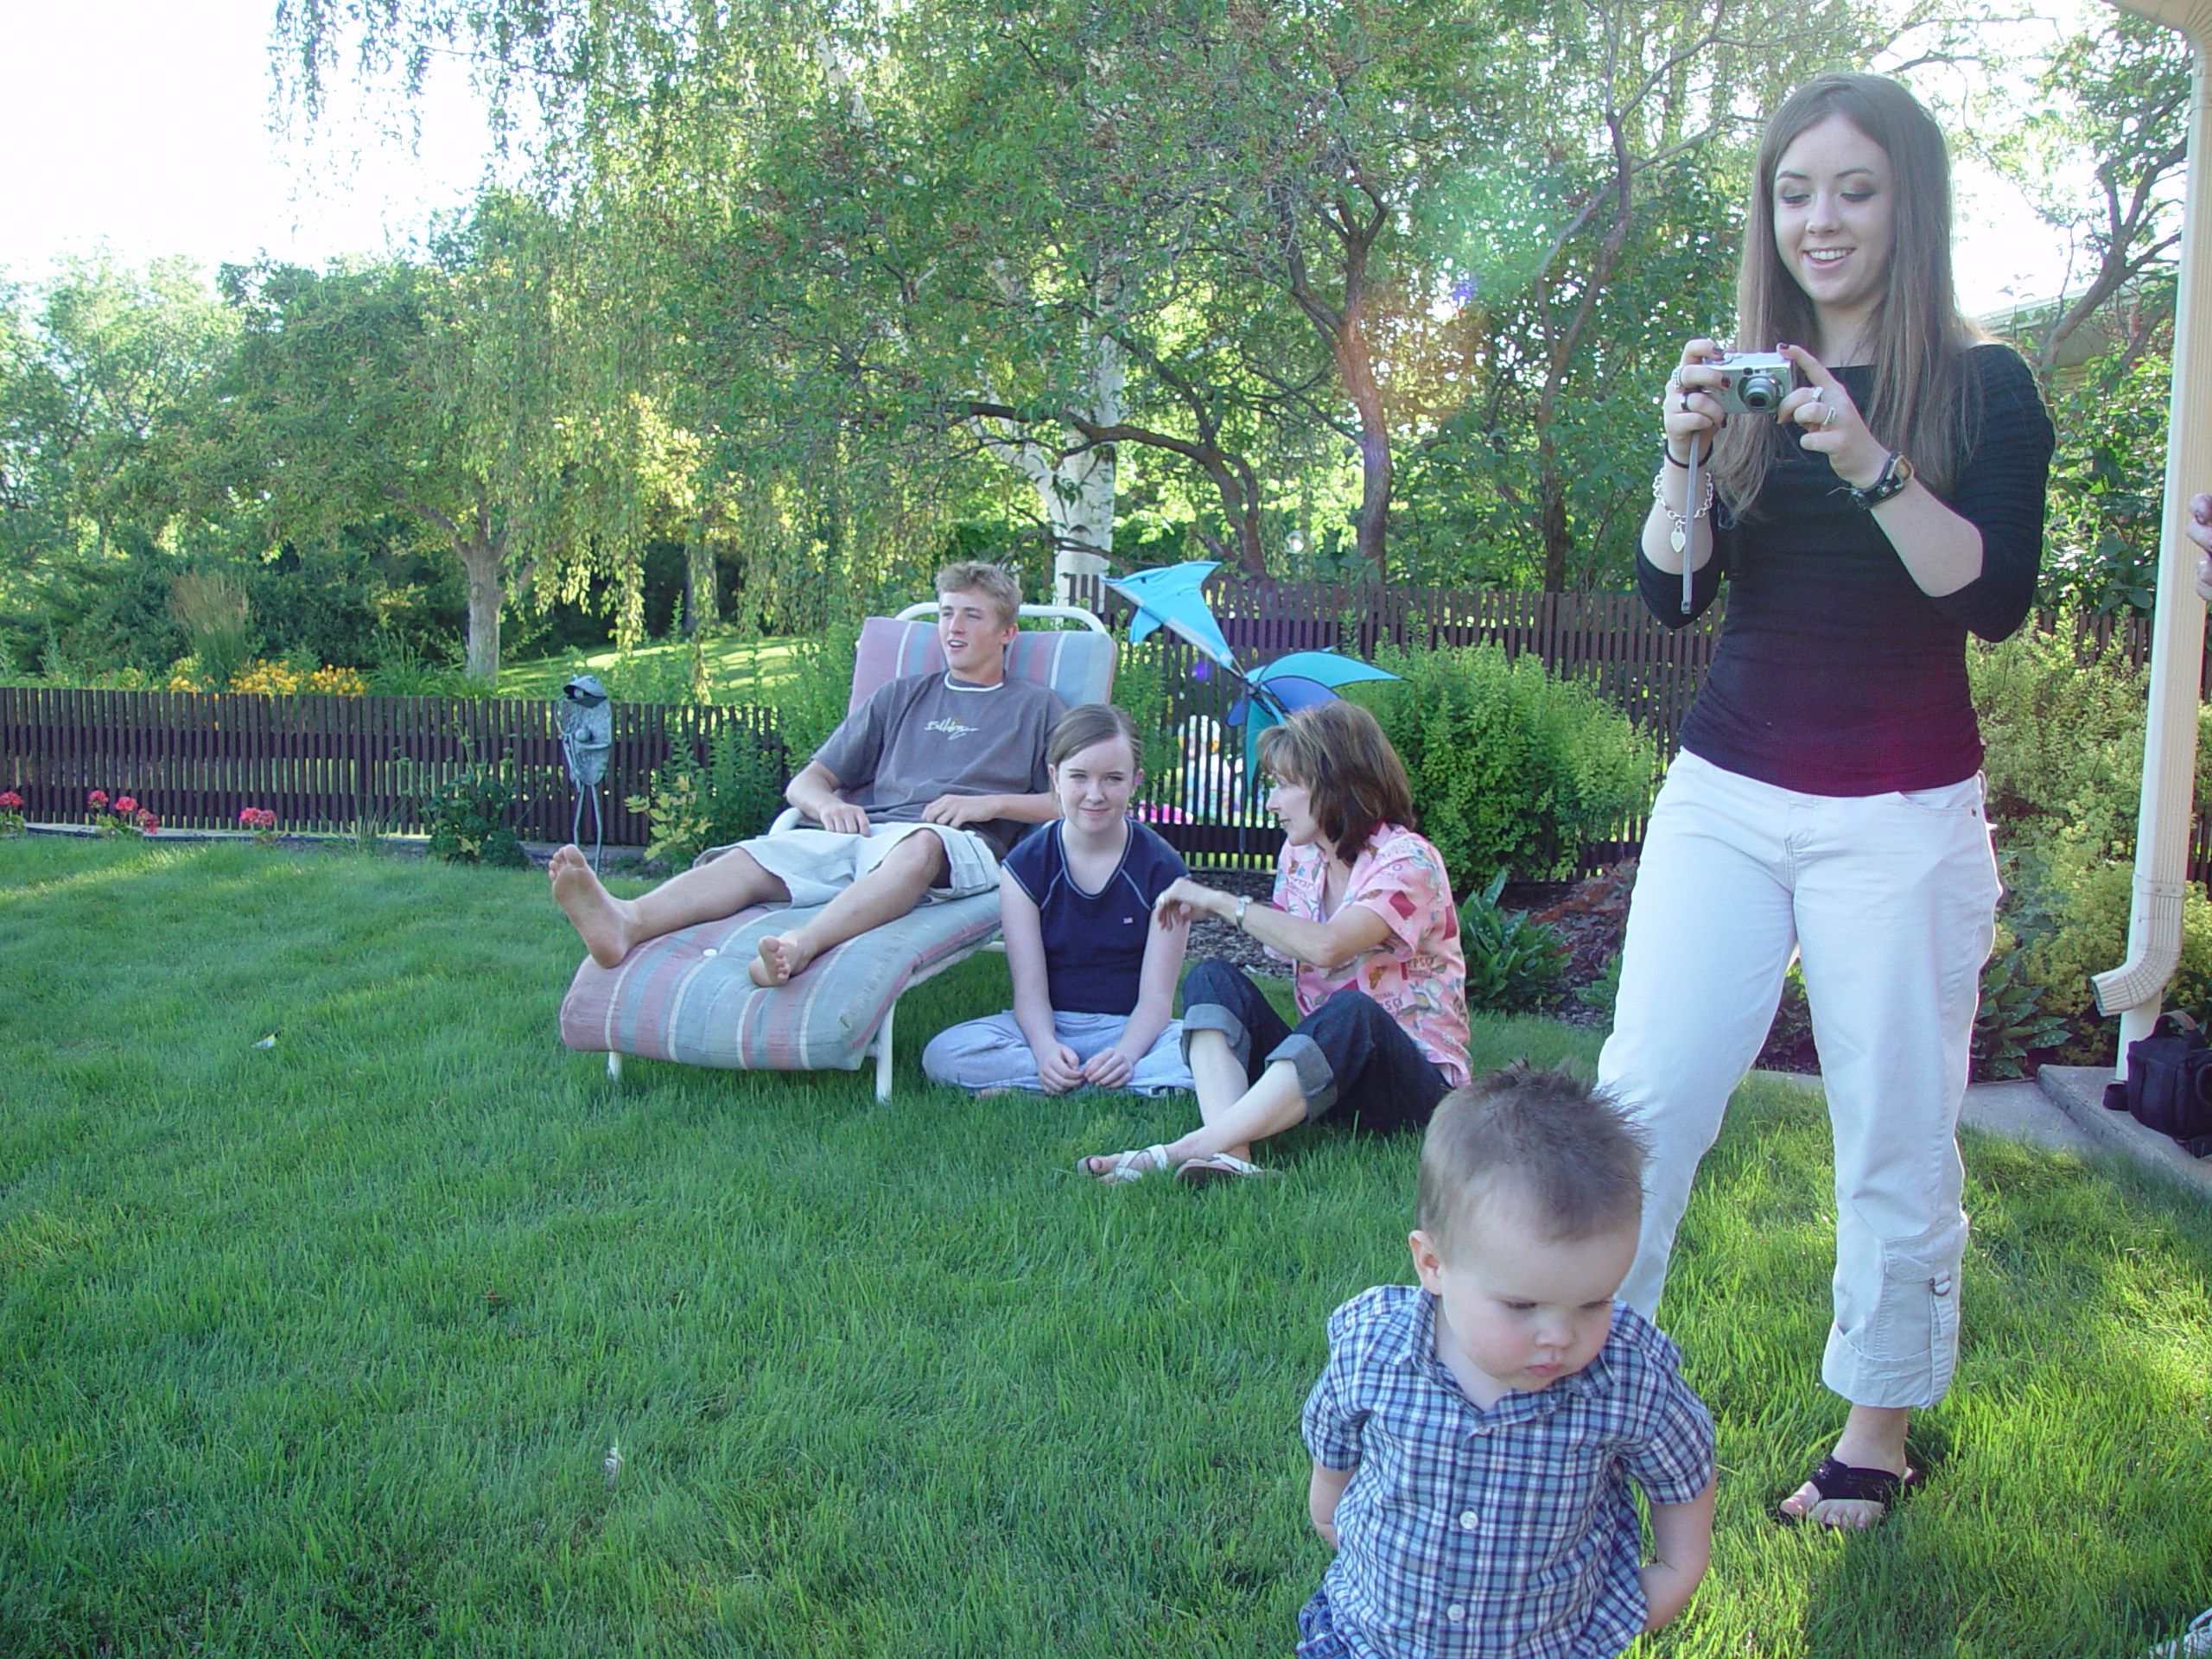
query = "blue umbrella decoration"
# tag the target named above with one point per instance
(1172, 597)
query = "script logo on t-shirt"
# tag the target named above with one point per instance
(951, 727)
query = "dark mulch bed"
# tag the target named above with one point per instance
(1212, 940)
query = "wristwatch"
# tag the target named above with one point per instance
(1896, 473)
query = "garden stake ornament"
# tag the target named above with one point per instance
(1172, 596)
(587, 732)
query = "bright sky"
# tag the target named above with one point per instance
(148, 123)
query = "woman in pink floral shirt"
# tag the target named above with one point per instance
(1363, 907)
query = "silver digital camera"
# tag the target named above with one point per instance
(1755, 382)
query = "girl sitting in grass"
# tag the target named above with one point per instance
(1094, 982)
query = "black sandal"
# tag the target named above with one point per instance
(1842, 1482)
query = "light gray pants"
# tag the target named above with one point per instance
(992, 1053)
(1890, 903)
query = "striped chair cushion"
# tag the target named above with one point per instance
(1075, 661)
(686, 996)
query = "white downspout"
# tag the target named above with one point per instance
(2134, 989)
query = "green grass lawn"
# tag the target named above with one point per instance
(320, 1348)
(737, 670)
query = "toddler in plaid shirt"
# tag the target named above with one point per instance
(1474, 1440)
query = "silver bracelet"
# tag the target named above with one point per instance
(1243, 904)
(1679, 536)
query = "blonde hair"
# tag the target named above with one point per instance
(1922, 390)
(994, 582)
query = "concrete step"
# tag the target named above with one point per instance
(2063, 1110)
(2078, 1090)
(2022, 1111)
(2019, 1111)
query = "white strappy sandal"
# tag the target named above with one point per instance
(1219, 1166)
(1125, 1166)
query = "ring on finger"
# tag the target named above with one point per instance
(1828, 414)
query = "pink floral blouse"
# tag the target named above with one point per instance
(1417, 973)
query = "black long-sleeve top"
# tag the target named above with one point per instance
(1836, 675)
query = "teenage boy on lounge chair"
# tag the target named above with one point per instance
(920, 792)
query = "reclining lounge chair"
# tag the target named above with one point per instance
(686, 996)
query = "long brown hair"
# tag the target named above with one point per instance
(1917, 337)
(1354, 780)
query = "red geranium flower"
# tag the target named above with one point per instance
(148, 823)
(126, 805)
(245, 815)
(98, 797)
(11, 802)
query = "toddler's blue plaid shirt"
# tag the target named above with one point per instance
(1505, 1531)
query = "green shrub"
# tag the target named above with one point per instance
(2063, 726)
(2064, 735)
(811, 700)
(2012, 1019)
(467, 817)
(213, 609)
(734, 796)
(1141, 687)
(1513, 964)
(403, 669)
(1512, 767)
(2068, 910)
(1604, 991)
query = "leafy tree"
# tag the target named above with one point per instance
(120, 357)
(369, 390)
(2119, 93)
(842, 253)
(99, 375)
(1637, 121)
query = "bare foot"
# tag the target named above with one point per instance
(782, 959)
(602, 919)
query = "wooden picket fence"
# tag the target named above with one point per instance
(337, 764)
(328, 763)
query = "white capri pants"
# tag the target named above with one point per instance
(992, 1053)
(1890, 902)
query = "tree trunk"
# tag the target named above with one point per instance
(1075, 486)
(703, 601)
(1343, 333)
(1551, 518)
(483, 552)
(1356, 368)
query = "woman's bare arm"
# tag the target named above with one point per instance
(1350, 934)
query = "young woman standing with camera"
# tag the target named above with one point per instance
(1827, 802)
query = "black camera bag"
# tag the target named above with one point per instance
(2169, 1087)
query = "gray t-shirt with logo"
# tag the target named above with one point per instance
(928, 734)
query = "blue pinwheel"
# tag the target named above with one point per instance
(1173, 597)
